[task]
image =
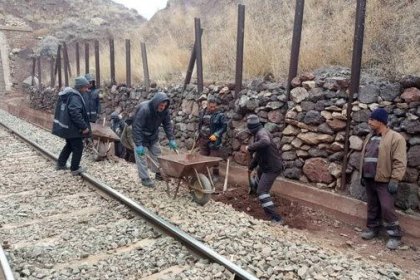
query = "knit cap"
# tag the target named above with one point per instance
(80, 82)
(89, 77)
(380, 115)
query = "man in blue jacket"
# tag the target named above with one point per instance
(71, 122)
(149, 117)
(91, 98)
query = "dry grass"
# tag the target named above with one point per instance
(392, 39)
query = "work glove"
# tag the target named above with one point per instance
(213, 137)
(172, 145)
(393, 186)
(140, 150)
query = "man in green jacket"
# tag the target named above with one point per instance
(383, 165)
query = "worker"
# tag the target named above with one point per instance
(150, 115)
(382, 166)
(211, 127)
(267, 157)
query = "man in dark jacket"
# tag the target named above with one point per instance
(268, 159)
(149, 117)
(211, 127)
(71, 122)
(91, 98)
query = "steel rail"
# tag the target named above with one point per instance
(180, 235)
(7, 271)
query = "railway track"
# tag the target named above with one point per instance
(58, 226)
(266, 251)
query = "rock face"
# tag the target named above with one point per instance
(309, 129)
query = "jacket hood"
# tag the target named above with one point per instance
(65, 93)
(157, 99)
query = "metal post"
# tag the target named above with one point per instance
(112, 60)
(145, 66)
(52, 74)
(66, 69)
(86, 58)
(33, 70)
(240, 49)
(294, 54)
(191, 64)
(39, 72)
(128, 62)
(97, 65)
(197, 26)
(77, 59)
(355, 78)
(60, 81)
(66, 58)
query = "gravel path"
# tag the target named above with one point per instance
(54, 226)
(271, 252)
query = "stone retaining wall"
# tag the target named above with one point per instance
(309, 129)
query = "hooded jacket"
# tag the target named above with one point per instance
(266, 154)
(70, 117)
(147, 121)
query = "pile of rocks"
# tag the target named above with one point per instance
(309, 129)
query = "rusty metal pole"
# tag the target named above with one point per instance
(77, 58)
(52, 74)
(191, 64)
(97, 65)
(112, 60)
(86, 57)
(197, 25)
(66, 69)
(33, 70)
(60, 81)
(145, 66)
(39, 72)
(128, 62)
(66, 58)
(240, 49)
(356, 64)
(294, 53)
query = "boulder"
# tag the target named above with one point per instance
(316, 170)
(411, 95)
(407, 196)
(336, 124)
(275, 116)
(292, 173)
(315, 138)
(298, 94)
(368, 94)
(413, 156)
(313, 118)
(356, 143)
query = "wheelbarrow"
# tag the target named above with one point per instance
(194, 169)
(103, 137)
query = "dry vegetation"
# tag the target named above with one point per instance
(392, 38)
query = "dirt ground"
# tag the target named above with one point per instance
(326, 229)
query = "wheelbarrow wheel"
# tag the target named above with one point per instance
(199, 197)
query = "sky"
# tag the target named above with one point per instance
(146, 8)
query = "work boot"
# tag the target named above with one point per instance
(393, 243)
(158, 177)
(78, 171)
(147, 183)
(369, 234)
(278, 221)
(60, 167)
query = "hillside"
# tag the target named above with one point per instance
(391, 36)
(70, 19)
